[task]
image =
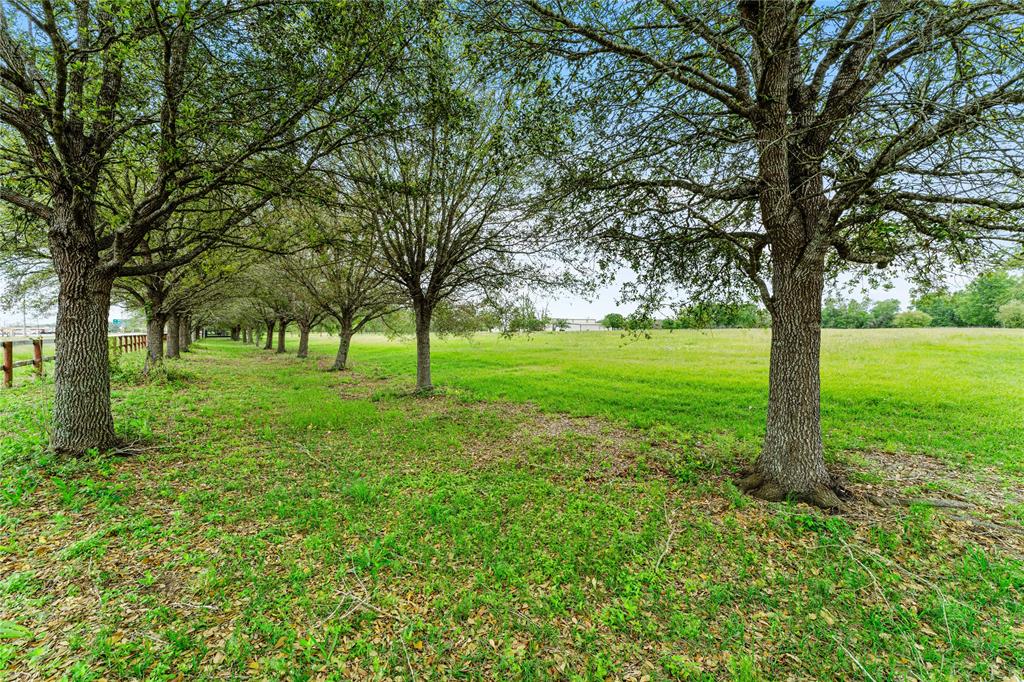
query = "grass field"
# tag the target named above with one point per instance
(563, 509)
(956, 393)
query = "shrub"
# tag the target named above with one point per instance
(912, 318)
(1011, 314)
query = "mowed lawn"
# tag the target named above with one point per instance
(562, 509)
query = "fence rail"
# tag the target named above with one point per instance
(124, 343)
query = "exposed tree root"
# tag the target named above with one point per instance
(758, 485)
(880, 501)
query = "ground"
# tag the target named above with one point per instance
(562, 509)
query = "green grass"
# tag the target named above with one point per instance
(957, 393)
(281, 522)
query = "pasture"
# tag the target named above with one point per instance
(563, 508)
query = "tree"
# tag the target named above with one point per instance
(704, 315)
(978, 304)
(519, 315)
(340, 273)
(941, 306)
(769, 145)
(883, 313)
(613, 321)
(839, 314)
(444, 189)
(1011, 315)
(189, 101)
(912, 318)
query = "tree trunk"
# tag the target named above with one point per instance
(197, 332)
(423, 315)
(270, 335)
(245, 335)
(792, 462)
(234, 333)
(172, 334)
(282, 326)
(303, 340)
(184, 339)
(154, 340)
(81, 398)
(344, 341)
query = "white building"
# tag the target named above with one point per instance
(576, 324)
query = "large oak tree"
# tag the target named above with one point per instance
(768, 144)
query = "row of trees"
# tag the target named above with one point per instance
(452, 151)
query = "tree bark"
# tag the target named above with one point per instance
(172, 334)
(303, 340)
(81, 399)
(270, 335)
(423, 315)
(184, 338)
(344, 341)
(234, 333)
(792, 462)
(282, 327)
(155, 340)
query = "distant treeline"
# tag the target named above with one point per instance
(992, 299)
(705, 315)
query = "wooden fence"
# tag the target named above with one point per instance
(122, 342)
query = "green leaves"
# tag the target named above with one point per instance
(11, 630)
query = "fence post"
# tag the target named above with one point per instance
(37, 356)
(8, 364)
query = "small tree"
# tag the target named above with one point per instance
(978, 304)
(445, 190)
(613, 321)
(839, 314)
(941, 306)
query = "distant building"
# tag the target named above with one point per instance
(576, 324)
